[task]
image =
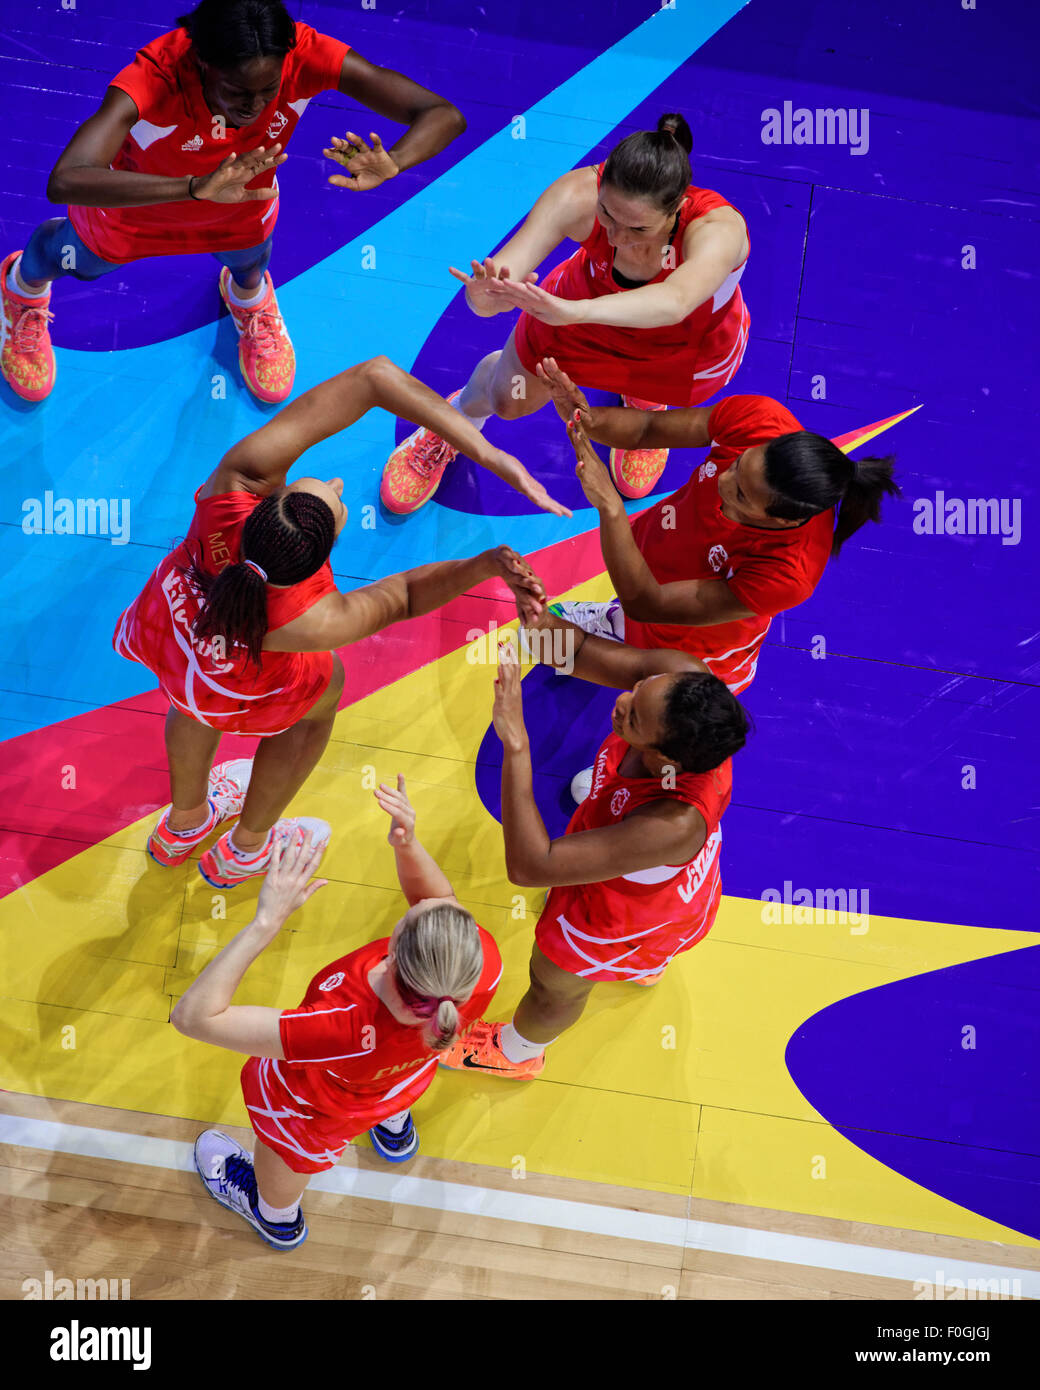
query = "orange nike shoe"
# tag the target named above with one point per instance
(636, 471)
(265, 353)
(479, 1051)
(26, 355)
(414, 470)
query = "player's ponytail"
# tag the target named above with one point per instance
(653, 164)
(227, 33)
(439, 959)
(286, 539)
(808, 474)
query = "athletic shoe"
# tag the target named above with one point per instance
(26, 354)
(581, 785)
(228, 783)
(222, 867)
(597, 619)
(227, 1172)
(395, 1148)
(265, 353)
(636, 471)
(479, 1050)
(414, 470)
(649, 980)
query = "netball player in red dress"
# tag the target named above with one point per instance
(360, 1048)
(241, 622)
(748, 537)
(649, 305)
(180, 157)
(634, 880)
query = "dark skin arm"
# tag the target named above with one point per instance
(666, 832)
(622, 427)
(602, 662)
(432, 124)
(82, 177)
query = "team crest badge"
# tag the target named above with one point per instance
(332, 981)
(707, 470)
(619, 801)
(278, 124)
(717, 557)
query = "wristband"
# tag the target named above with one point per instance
(190, 193)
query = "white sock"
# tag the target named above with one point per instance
(278, 1216)
(17, 286)
(396, 1123)
(518, 1049)
(185, 834)
(480, 421)
(246, 301)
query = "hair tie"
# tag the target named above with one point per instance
(252, 565)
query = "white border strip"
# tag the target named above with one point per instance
(749, 1242)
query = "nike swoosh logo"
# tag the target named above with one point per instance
(469, 1062)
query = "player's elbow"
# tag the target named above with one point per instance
(57, 189)
(182, 1020)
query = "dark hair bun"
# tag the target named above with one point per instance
(676, 125)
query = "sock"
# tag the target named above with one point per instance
(246, 853)
(277, 1216)
(18, 288)
(516, 1048)
(248, 301)
(480, 421)
(396, 1124)
(187, 834)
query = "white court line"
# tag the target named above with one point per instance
(555, 1212)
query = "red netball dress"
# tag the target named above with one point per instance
(686, 537)
(178, 136)
(223, 689)
(630, 927)
(348, 1062)
(679, 364)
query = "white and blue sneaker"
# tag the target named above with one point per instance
(227, 1172)
(597, 619)
(395, 1148)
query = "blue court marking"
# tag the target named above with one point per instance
(143, 425)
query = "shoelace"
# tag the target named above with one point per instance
(238, 1172)
(265, 328)
(426, 456)
(28, 329)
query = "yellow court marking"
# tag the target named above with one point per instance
(681, 1088)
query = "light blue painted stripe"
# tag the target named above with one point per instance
(142, 424)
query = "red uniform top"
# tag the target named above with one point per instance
(345, 1053)
(178, 136)
(224, 690)
(768, 570)
(633, 925)
(657, 364)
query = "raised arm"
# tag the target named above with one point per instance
(620, 426)
(418, 872)
(693, 603)
(597, 659)
(83, 178)
(432, 121)
(261, 461)
(669, 832)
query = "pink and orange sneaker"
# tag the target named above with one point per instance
(26, 355)
(224, 867)
(479, 1051)
(265, 353)
(636, 471)
(414, 470)
(228, 784)
(649, 980)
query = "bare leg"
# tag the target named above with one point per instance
(554, 1002)
(502, 386)
(282, 765)
(276, 1182)
(190, 749)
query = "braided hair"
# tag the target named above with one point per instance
(653, 164)
(289, 537)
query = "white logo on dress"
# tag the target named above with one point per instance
(707, 470)
(619, 801)
(717, 557)
(332, 981)
(195, 143)
(278, 123)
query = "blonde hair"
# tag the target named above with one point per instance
(438, 953)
